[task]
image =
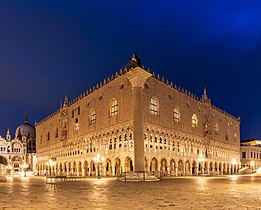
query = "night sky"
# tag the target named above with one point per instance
(52, 48)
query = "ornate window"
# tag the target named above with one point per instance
(176, 115)
(92, 116)
(154, 106)
(114, 108)
(194, 121)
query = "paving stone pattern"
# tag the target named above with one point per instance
(228, 192)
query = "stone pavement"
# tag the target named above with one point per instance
(228, 192)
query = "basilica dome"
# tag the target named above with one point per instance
(25, 130)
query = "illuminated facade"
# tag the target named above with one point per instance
(251, 153)
(18, 155)
(136, 121)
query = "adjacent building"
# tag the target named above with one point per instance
(18, 155)
(137, 121)
(250, 150)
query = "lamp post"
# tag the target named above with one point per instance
(252, 164)
(9, 167)
(200, 160)
(233, 163)
(98, 159)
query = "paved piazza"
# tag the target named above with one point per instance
(228, 192)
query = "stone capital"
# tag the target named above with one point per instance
(137, 77)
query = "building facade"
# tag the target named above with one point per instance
(137, 121)
(251, 154)
(18, 155)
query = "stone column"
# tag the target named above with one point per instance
(137, 77)
(67, 168)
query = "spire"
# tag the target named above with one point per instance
(204, 96)
(8, 135)
(205, 92)
(26, 122)
(65, 103)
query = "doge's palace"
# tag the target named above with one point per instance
(138, 121)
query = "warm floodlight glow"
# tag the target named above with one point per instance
(201, 158)
(252, 163)
(98, 159)
(233, 161)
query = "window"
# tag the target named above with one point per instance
(154, 106)
(56, 133)
(176, 115)
(194, 121)
(226, 136)
(114, 108)
(79, 110)
(72, 113)
(76, 124)
(48, 136)
(243, 154)
(216, 128)
(92, 116)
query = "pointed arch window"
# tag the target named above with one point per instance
(194, 121)
(216, 128)
(56, 133)
(92, 116)
(176, 115)
(154, 106)
(114, 108)
(76, 124)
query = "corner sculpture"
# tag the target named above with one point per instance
(134, 62)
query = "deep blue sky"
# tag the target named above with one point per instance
(52, 48)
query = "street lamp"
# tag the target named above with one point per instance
(233, 163)
(98, 159)
(200, 160)
(252, 164)
(9, 167)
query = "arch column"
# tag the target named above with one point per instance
(196, 170)
(168, 169)
(176, 171)
(76, 170)
(67, 168)
(190, 169)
